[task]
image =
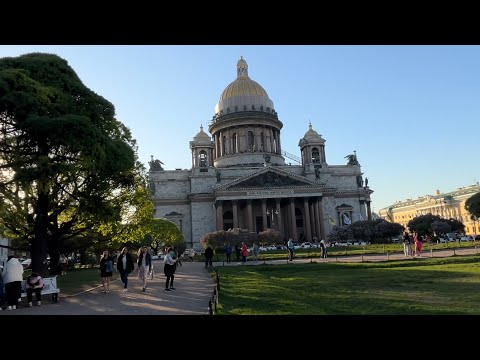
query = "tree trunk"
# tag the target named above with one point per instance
(54, 251)
(39, 246)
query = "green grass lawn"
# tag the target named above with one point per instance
(75, 281)
(427, 286)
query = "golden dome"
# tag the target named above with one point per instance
(243, 86)
(243, 92)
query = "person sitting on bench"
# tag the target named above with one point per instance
(34, 284)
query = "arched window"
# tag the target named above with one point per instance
(315, 155)
(262, 142)
(251, 141)
(234, 143)
(203, 158)
(224, 145)
(236, 108)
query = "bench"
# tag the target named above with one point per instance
(49, 287)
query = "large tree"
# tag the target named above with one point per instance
(63, 155)
(472, 205)
(423, 224)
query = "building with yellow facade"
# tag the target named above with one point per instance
(446, 205)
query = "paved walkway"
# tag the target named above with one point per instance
(193, 285)
(360, 258)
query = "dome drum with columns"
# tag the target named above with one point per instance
(245, 127)
(239, 178)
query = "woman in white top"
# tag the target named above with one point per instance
(12, 278)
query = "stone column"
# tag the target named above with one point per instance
(293, 222)
(279, 223)
(313, 217)
(249, 215)
(369, 211)
(319, 218)
(219, 215)
(272, 149)
(258, 141)
(286, 222)
(235, 213)
(264, 213)
(306, 219)
(279, 144)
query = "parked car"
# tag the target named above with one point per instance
(306, 245)
(27, 264)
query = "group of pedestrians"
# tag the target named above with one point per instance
(125, 266)
(417, 240)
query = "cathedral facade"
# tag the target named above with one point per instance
(239, 177)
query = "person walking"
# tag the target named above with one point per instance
(125, 266)
(144, 264)
(12, 278)
(106, 270)
(191, 254)
(169, 270)
(407, 244)
(244, 253)
(34, 285)
(290, 247)
(419, 246)
(228, 252)
(323, 247)
(237, 252)
(255, 253)
(2, 289)
(208, 256)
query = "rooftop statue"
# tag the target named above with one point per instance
(155, 165)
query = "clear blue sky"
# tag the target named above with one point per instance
(412, 113)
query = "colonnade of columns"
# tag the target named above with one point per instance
(243, 139)
(291, 216)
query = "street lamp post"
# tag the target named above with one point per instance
(272, 212)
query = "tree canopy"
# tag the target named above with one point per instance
(64, 157)
(472, 205)
(423, 224)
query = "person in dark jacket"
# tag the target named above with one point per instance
(125, 266)
(237, 252)
(144, 263)
(169, 269)
(106, 270)
(208, 256)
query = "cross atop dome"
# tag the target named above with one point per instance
(242, 68)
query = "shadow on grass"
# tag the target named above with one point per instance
(436, 286)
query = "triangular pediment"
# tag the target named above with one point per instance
(269, 178)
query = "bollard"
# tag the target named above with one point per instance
(431, 252)
(362, 258)
(454, 252)
(336, 258)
